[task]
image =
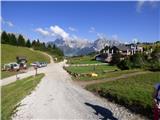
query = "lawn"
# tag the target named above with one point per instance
(5, 74)
(105, 75)
(13, 93)
(103, 71)
(82, 60)
(9, 54)
(134, 92)
(89, 69)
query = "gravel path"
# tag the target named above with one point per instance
(57, 97)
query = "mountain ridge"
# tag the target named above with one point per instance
(82, 47)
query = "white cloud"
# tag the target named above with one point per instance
(72, 29)
(57, 31)
(99, 35)
(92, 30)
(8, 23)
(42, 31)
(140, 4)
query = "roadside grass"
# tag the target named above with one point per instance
(5, 74)
(133, 92)
(106, 75)
(82, 60)
(103, 71)
(9, 54)
(89, 69)
(13, 93)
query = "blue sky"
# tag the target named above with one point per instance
(123, 21)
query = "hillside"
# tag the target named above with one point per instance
(10, 52)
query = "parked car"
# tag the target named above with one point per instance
(43, 64)
(39, 64)
(11, 66)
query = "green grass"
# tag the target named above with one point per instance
(82, 60)
(103, 71)
(89, 69)
(134, 92)
(13, 93)
(106, 75)
(9, 54)
(5, 74)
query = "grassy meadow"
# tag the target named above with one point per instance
(82, 60)
(89, 69)
(9, 54)
(103, 71)
(133, 92)
(13, 93)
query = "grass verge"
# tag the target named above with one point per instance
(103, 71)
(82, 60)
(134, 93)
(13, 93)
(5, 74)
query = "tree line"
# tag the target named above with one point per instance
(10, 38)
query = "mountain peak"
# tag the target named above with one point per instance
(74, 47)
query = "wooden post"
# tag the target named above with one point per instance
(17, 78)
(35, 67)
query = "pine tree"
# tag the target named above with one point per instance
(54, 46)
(21, 41)
(4, 38)
(49, 46)
(28, 43)
(13, 39)
(33, 43)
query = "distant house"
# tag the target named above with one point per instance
(101, 57)
(124, 50)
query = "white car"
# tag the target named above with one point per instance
(37, 64)
(12, 66)
(43, 64)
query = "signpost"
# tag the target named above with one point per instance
(35, 67)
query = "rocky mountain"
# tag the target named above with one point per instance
(82, 47)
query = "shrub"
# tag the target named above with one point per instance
(115, 59)
(124, 64)
(138, 60)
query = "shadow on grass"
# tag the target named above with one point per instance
(105, 113)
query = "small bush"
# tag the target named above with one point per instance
(124, 65)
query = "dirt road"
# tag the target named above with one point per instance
(57, 97)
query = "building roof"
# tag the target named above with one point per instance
(122, 47)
